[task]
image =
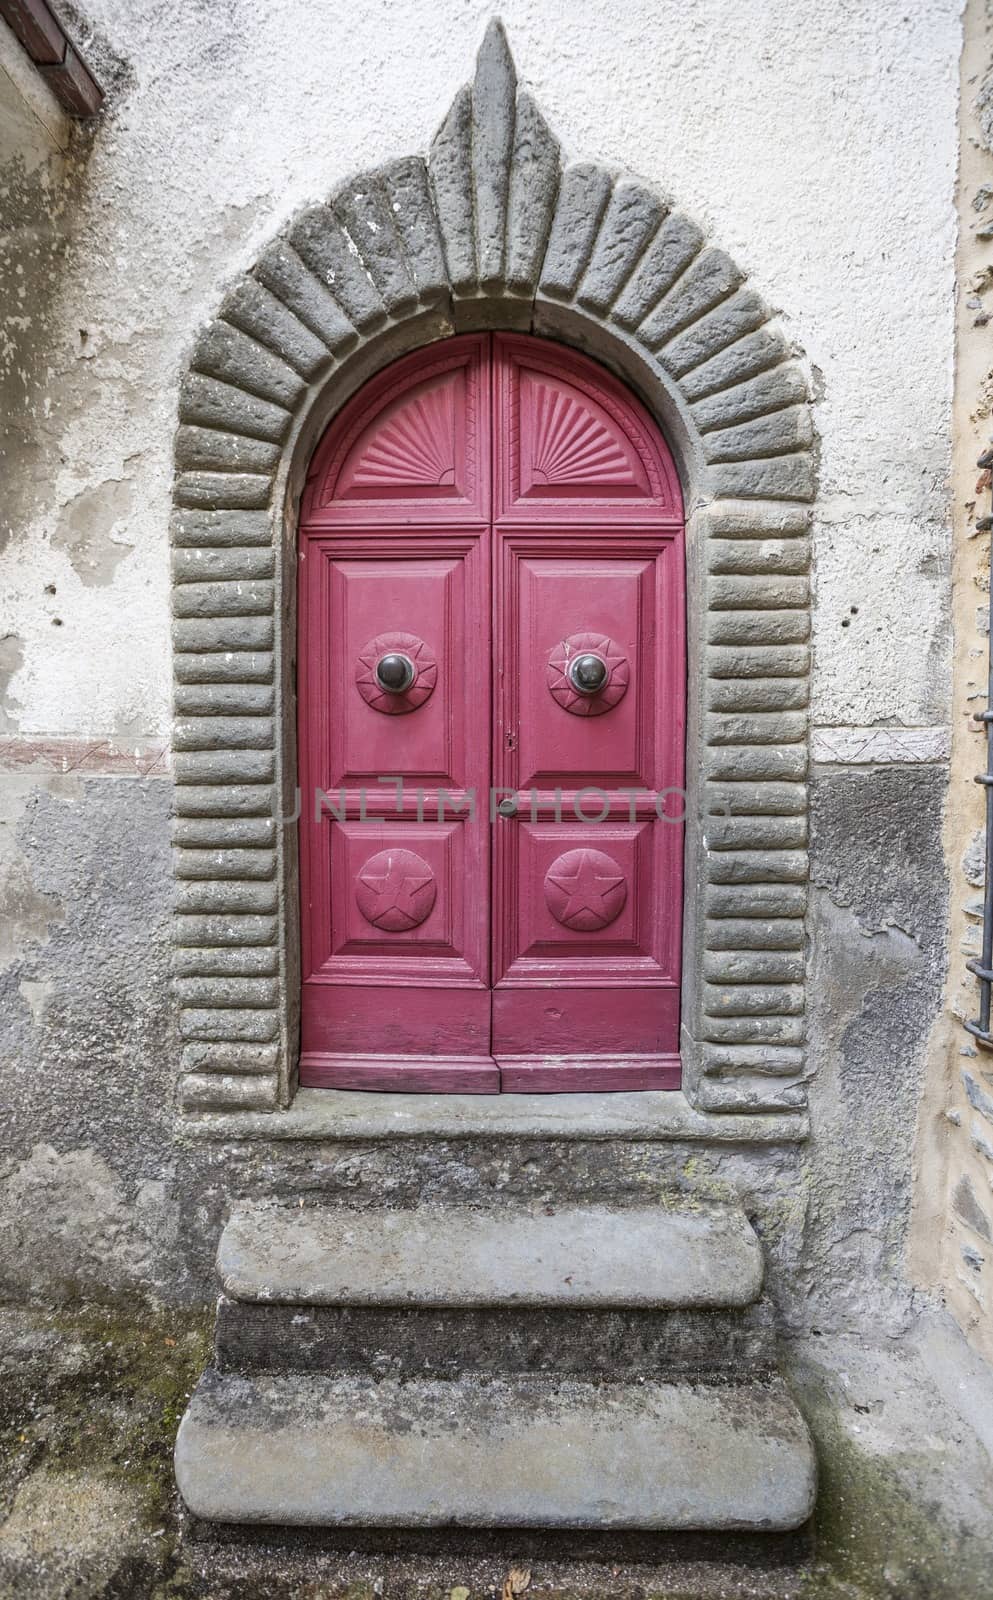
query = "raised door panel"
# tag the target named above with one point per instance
(564, 607)
(414, 446)
(570, 446)
(428, 608)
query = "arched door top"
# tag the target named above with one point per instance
(494, 230)
(416, 438)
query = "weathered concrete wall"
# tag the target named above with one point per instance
(953, 1227)
(822, 157)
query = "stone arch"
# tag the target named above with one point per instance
(493, 230)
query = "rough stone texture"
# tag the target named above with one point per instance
(904, 1500)
(504, 1453)
(443, 1343)
(446, 1256)
(879, 943)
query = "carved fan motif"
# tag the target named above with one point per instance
(585, 890)
(411, 445)
(574, 444)
(396, 890)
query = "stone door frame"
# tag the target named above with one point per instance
(492, 230)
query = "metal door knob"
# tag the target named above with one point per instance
(507, 807)
(588, 673)
(395, 672)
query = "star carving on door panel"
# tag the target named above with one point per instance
(560, 686)
(396, 890)
(585, 890)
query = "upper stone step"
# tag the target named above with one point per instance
(503, 1453)
(692, 1255)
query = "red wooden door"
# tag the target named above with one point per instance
(491, 723)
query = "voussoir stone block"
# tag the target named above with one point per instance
(761, 899)
(250, 306)
(739, 938)
(223, 489)
(254, 1026)
(224, 352)
(675, 244)
(632, 216)
(209, 403)
(321, 242)
(756, 799)
(708, 281)
(216, 1091)
(225, 1057)
(783, 385)
(494, 98)
(224, 800)
(451, 179)
(584, 192)
(213, 530)
(755, 694)
(207, 635)
(534, 181)
(749, 353)
(283, 272)
(362, 209)
(224, 699)
(407, 191)
(222, 832)
(210, 931)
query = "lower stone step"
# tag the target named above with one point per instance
(346, 1451)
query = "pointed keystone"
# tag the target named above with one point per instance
(494, 97)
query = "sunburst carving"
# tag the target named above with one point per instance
(425, 669)
(574, 444)
(560, 686)
(410, 446)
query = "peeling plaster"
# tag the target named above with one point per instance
(87, 524)
(11, 661)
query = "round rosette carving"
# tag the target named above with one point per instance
(585, 890)
(396, 890)
(561, 686)
(425, 673)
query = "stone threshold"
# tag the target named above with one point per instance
(654, 1114)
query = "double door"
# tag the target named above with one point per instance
(491, 728)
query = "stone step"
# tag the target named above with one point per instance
(422, 1341)
(596, 1256)
(524, 1452)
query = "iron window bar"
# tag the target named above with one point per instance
(982, 968)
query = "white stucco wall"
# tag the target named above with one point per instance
(816, 143)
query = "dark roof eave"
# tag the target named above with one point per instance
(42, 35)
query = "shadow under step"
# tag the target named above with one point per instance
(423, 1341)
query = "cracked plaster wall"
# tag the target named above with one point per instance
(821, 157)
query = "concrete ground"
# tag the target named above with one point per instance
(89, 1405)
